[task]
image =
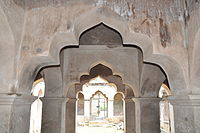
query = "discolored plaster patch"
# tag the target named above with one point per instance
(164, 33)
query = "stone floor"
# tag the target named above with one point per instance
(87, 129)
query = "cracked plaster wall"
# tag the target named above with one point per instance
(171, 25)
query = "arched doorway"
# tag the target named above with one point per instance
(118, 105)
(80, 104)
(99, 108)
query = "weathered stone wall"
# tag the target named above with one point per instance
(33, 32)
(78, 61)
(11, 25)
(171, 26)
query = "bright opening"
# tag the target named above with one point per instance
(100, 108)
(38, 89)
(166, 111)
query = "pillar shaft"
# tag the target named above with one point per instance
(149, 115)
(130, 116)
(87, 108)
(52, 114)
(186, 113)
(6, 103)
(20, 118)
(110, 108)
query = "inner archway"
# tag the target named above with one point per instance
(99, 106)
(100, 59)
(118, 104)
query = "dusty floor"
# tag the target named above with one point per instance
(87, 129)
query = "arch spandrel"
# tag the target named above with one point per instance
(173, 71)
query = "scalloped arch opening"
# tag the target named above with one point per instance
(101, 34)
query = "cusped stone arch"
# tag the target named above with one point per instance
(36, 63)
(142, 41)
(173, 71)
(101, 34)
(164, 91)
(110, 66)
(105, 73)
(113, 20)
(118, 104)
(115, 77)
(100, 93)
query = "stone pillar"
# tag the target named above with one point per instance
(149, 115)
(87, 108)
(53, 102)
(110, 108)
(20, 116)
(186, 110)
(130, 116)
(52, 114)
(70, 116)
(6, 103)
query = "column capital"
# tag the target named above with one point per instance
(54, 98)
(6, 99)
(146, 99)
(188, 100)
(24, 99)
(128, 99)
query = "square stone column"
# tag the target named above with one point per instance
(147, 109)
(70, 116)
(20, 115)
(6, 103)
(130, 121)
(186, 110)
(53, 115)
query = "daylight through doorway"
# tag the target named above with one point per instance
(100, 108)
